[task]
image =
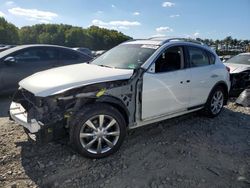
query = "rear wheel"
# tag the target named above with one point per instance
(215, 102)
(98, 131)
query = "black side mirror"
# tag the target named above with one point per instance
(9, 60)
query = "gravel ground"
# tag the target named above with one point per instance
(188, 151)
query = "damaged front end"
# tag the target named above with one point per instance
(240, 81)
(49, 118)
(42, 118)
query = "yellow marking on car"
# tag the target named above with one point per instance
(101, 92)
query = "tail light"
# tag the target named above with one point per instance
(228, 69)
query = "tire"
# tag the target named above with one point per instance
(215, 102)
(98, 130)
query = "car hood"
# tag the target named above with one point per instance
(58, 80)
(237, 68)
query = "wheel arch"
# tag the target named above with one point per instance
(117, 104)
(224, 86)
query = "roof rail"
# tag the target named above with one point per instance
(165, 40)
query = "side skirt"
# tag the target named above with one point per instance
(141, 123)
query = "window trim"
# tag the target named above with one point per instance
(208, 54)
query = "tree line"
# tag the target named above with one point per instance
(93, 37)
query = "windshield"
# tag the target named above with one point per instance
(126, 56)
(240, 59)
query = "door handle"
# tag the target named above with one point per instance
(214, 76)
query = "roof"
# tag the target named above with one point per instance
(163, 40)
(11, 50)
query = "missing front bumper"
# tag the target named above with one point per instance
(36, 130)
(19, 115)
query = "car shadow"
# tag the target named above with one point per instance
(158, 148)
(4, 105)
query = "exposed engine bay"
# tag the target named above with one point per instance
(239, 82)
(54, 112)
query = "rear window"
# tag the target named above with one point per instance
(68, 54)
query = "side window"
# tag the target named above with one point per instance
(68, 55)
(170, 60)
(27, 55)
(197, 57)
(50, 54)
(36, 55)
(85, 58)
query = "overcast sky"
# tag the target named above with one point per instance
(214, 19)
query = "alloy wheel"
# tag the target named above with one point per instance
(99, 134)
(217, 102)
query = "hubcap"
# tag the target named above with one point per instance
(99, 134)
(217, 102)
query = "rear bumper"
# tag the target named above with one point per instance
(19, 115)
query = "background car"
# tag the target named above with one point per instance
(5, 47)
(98, 53)
(21, 61)
(239, 72)
(84, 50)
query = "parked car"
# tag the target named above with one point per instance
(134, 84)
(21, 61)
(224, 58)
(84, 50)
(98, 53)
(239, 72)
(5, 47)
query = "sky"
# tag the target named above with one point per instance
(213, 19)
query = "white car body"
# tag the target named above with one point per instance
(58, 80)
(163, 95)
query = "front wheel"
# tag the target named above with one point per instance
(98, 131)
(215, 102)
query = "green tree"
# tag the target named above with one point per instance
(75, 37)
(8, 32)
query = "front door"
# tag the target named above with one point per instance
(166, 87)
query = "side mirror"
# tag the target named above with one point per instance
(9, 60)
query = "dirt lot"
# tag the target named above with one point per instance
(189, 151)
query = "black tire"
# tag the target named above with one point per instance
(208, 110)
(91, 112)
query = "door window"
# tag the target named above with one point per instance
(170, 60)
(36, 55)
(197, 57)
(68, 55)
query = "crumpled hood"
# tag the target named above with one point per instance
(237, 68)
(58, 80)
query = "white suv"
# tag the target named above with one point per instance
(138, 82)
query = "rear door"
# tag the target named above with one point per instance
(166, 86)
(203, 74)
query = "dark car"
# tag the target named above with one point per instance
(84, 50)
(21, 61)
(5, 47)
